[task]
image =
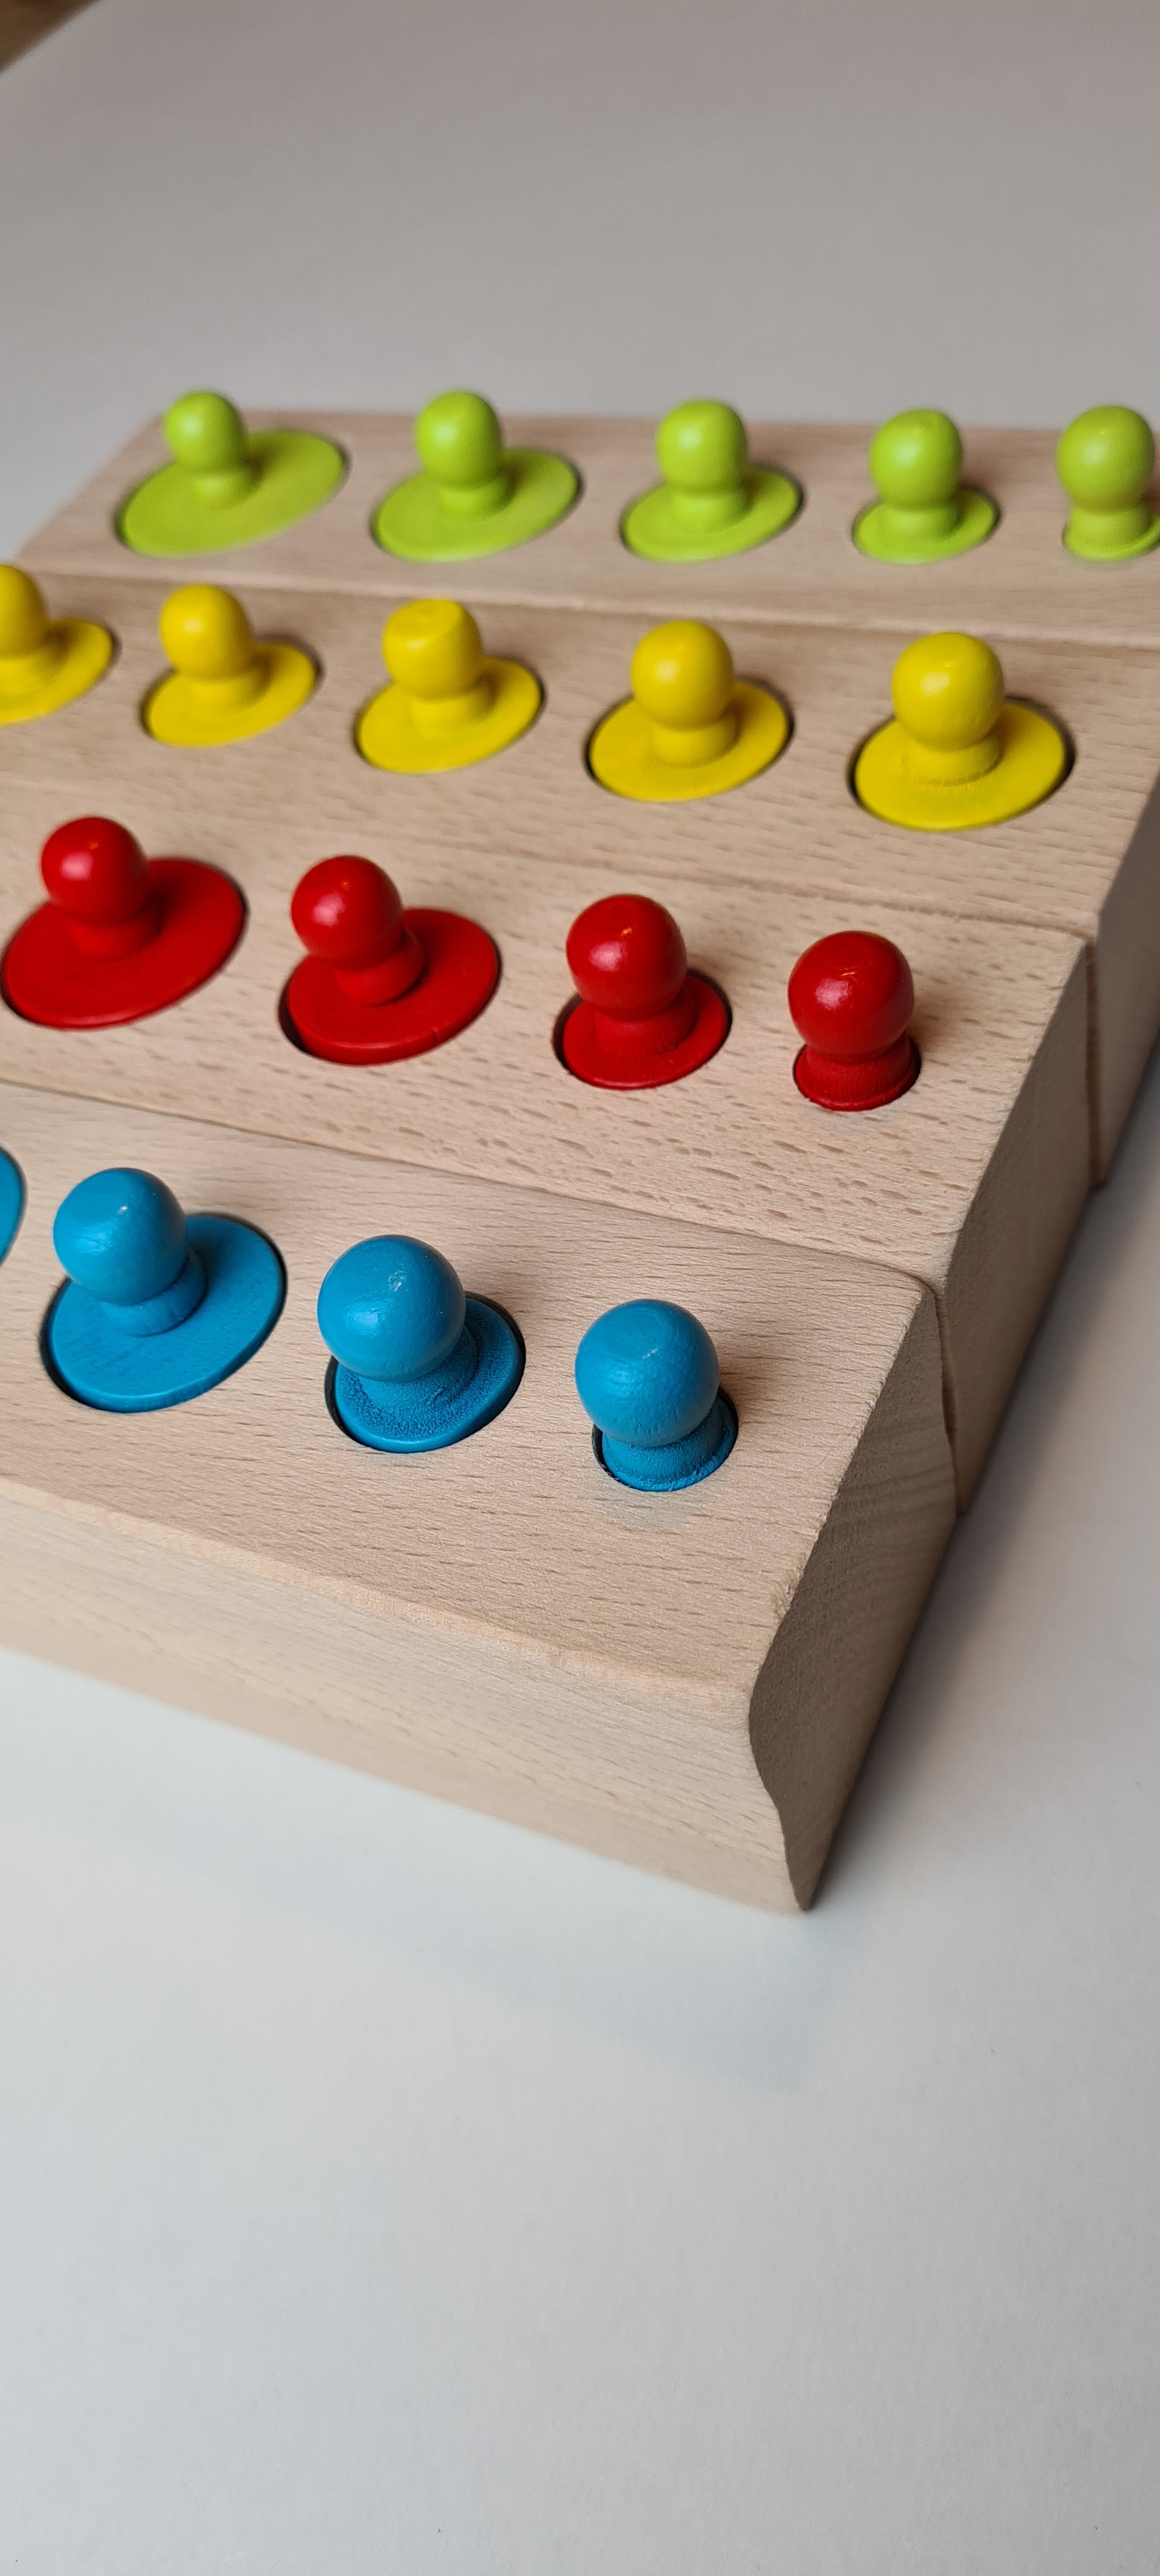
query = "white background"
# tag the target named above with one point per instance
(380, 2188)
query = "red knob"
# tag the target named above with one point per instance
(99, 876)
(94, 869)
(642, 1018)
(627, 957)
(851, 997)
(349, 913)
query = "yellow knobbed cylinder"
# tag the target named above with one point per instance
(44, 662)
(434, 653)
(691, 727)
(959, 756)
(449, 703)
(210, 641)
(225, 683)
(29, 651)
(947, 692)
(682, 675)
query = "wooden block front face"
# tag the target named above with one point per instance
(1085, 862)
(500, 1622)
(1021, 582)
(972, 1181)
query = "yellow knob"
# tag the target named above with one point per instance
(433, 652)
(432, 648)
(23, 616)
(682, 675)
(226, 682)
(207, 634)
(948, 693)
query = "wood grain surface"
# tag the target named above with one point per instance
(973, 1181)
(499, 1622)
(1087, 862)
(1022, 582)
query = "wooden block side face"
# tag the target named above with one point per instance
(514, 1553)
(1126, 984)
(795, 828)
(783, 1721)
(1022, 581)
(335, 1679)
(1000, 1106)
(1008, 1253)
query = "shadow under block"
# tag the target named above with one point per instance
(1021, 582)
(1086, 862)
(973, 1181)
(686, 1682)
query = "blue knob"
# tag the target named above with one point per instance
(121, 1235)
(647, 1372)
(391, 1309)
(418, 1364)
(11, 1200)
(157, 1308)
(647, 1375)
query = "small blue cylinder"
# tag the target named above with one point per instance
(647, 1373)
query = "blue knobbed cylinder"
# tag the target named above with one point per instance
(419, 1365)
(157, 1307)
(392, 1309)
(647, 1375)
(11, 1200)
(122, 1237)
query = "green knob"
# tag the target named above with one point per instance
(916, 461)
(460, 445)
(1105, 462)
(703, 454)
(702, 447)
(474, 496)
(712, 501)
(207, 437)
(924, 512)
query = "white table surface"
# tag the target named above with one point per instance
(382, 2188)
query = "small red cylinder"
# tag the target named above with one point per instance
(642, 1019)
(851, 997)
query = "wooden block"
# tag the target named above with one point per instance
(1022, 582)
(973, 1181)
(1086, 863)
(499, 1622)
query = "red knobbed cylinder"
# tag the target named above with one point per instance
(851, 997)
(98, 876)
(627, 958)
(380, 983)
(121, 935)
(642, 1018)
(347, 912)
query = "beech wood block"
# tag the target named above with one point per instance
(687, 1682)
(1022, 581)
(1085, 862)
(973, 1180)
